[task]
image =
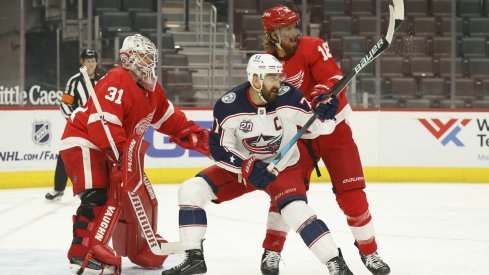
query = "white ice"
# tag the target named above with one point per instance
(421, 229)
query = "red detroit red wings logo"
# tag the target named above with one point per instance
(296, 80)
(143, 124)
(263, 144)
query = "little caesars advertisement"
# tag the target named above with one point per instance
(35, 95)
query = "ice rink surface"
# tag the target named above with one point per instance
(422, 229)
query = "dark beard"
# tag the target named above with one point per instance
(270, 97)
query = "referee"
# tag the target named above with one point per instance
(75, 95)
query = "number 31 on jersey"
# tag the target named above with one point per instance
(114, 95)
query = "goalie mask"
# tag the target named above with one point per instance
(139, 55)
(261, 65)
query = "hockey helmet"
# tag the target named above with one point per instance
(263, 64)
(139, 55)
(278, 17)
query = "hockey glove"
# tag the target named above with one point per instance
(327, 111)
(193, 137)
(255, 172)
(324, 103)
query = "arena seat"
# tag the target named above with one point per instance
(441, 46)
(474, 47)
(115, 21)
(167, 40)
(178, 85)
(433, 88)
(421, 66)
(445, 67)
(392, 66)
(469, 8)
(147, 22)
(478, 67)
(138, 5)
(100, 6)
(245, 6)
(337, 26)
(478, 26)
(424, 25)
(441, 7)
(266, 4)
(360, 7)
(334, 7)
(403, 87)
(417, 7)
(354, 46)
(364, 25)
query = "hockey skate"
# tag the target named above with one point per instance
(54, 195)
(270, 262)
(93, 267)
(337, 266)
(375, 264)
(193, 263)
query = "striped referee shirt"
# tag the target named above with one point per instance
(76, 94)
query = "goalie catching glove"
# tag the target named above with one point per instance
(324, 103)
(193, 137)
(255, 172)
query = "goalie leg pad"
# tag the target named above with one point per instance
(92, 227)
(146, 258)
(312, 230)
(128, 237)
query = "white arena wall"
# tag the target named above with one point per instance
(395, 146)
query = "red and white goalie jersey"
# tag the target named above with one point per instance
(313, 64)
(128, 109)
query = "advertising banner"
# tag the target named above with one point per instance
(394, 146)
(34, 95)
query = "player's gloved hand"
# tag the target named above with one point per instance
(193, 137)
(327, 110)
(324, 103)
(320, 94)
(255, 172)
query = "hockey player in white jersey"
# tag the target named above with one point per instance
(252, 123)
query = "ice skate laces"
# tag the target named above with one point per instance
(185, 261)
(272, 258)
(374, 260)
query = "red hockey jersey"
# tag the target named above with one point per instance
(128, 109)
(312, 64)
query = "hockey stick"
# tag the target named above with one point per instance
(150, 237)
(396, 16)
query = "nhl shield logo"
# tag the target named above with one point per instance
(41, 133)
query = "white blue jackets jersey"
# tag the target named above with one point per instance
(242, 130)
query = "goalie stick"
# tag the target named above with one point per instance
(396, 16)
(163, 248)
